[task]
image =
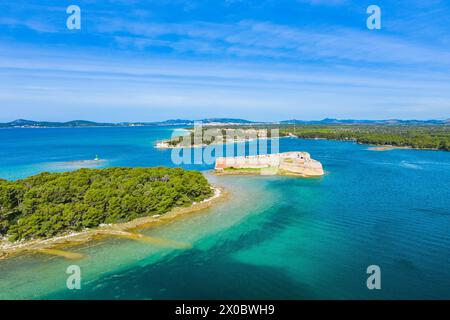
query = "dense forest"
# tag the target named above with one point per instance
(49, 204)
(415, 136)
(213, 134)
(421, 137)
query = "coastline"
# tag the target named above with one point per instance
(382, 147)
(372, 147)
(165, 145)
(267, 172)
(162, 145)
(128, 230)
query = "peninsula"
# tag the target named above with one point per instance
(426, 135)
(51, 209)
(388, 134)
(213, 135)
(287, 163)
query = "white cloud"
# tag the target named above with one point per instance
(51, 83)
(325, 2)
(32, 24)
(264, 39)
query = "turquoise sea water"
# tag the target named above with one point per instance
(277, 237)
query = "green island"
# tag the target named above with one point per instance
(51, 204)
(416, 136)
(215, 135)
(413, 136)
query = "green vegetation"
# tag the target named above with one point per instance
(406, 135)
(216, 135)
(249, 170)
(50, 204)
(420, 137)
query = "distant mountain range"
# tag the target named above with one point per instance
(21, 123)
(351, 121)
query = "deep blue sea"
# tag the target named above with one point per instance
(276, 237)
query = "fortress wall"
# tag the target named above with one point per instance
(295, 162)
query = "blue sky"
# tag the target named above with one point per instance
(262, 60)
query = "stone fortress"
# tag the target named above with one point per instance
(287, 163)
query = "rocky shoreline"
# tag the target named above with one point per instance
(125, 230)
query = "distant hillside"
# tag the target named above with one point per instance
(175, 122)
(227, 120)
(351, 121)
(206, 121)
(21, 123)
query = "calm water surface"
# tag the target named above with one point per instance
(277, 237)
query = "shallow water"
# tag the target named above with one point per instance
(277, 237)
